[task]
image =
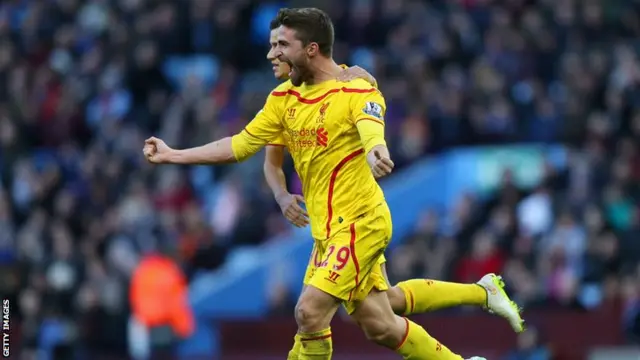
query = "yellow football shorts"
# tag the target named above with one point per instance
(348, 264)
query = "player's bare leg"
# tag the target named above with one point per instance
(313, 314)
(397, 300)
(294, 353)
(376, 318)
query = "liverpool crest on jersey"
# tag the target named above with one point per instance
(322, 113)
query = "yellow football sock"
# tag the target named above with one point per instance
(418, 345)
(316, 346)
(294, 353)
(422, 295)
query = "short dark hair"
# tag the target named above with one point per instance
(275, 23)
(311, 25)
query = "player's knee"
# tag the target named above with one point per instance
(311, 314)
(304, 313)
(397, 300)
(309, 318)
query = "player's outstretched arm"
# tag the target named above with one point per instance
(218, 152)
(264, 128)
(289, 203)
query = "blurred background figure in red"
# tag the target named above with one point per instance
(160, 310)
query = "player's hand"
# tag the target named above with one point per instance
(382, 166)
(156, 151)
(356, 72)
(291, 209)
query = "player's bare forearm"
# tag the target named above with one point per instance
(216, 152)
(289, 203)
(273, 172)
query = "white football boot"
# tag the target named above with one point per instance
(498, 302)
(477, 358)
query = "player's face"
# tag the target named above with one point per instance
(291, 51)
(280, 69)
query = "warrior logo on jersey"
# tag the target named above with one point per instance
(373, 109)
(291, 114)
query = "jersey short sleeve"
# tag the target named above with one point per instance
(264, 129)
(279, 141)
(367, 111)
(368, 105)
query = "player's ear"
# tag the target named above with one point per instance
(313, 49)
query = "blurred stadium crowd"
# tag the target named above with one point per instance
(83, 82)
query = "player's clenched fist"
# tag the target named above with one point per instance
(156, 151)
(382, 165)
(291, 209)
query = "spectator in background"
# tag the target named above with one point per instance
(530, 347)
(484, 258)
(535, 213)
(631, 314)
(159, 305)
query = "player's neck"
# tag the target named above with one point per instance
(323, 69)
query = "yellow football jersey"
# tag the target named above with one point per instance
(280, 141)
(328, 129)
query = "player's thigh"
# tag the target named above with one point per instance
(315, 308)
(382, 261)
(394, 293)
(373, 307)
(375, 280)
(314, 261)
